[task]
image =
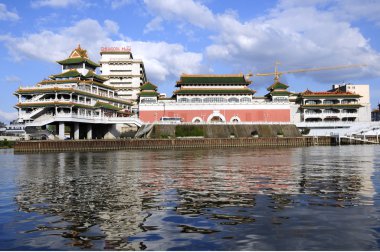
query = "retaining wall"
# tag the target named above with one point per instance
(100, 145)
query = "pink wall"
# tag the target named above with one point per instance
(251, 115)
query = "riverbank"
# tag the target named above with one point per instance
(104, 145)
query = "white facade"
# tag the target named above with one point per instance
(124, 73)
(364, 112)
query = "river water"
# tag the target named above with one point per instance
(313, 198)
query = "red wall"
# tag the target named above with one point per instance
(251, 115)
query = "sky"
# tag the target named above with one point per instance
(195, 37)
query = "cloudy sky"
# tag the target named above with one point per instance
(195, 36)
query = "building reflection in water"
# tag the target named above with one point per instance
(113, 196)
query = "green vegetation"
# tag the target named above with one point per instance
(165, 136)
(188, 130)
(305, 131)
(6, 144)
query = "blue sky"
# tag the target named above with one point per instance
(189, 36)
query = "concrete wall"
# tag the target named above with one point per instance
(228, 131)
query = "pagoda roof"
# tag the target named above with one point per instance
(99, 104)
(148, 86)
(68, 89)
(277, 85)
(68, 74)
(78, 55)
(79, 60)
(148, 93)
(335, 93)
(75, 74)
(280, 93)
(92, 74)
(238, 79)
(214, 91)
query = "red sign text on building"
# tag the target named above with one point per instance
(115, 49)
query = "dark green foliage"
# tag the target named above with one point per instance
(6, 144)
(188, 130)
(305, 131)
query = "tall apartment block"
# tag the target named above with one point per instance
(124, 73)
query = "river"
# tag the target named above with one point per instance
(310, 198)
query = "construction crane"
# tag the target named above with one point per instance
(277, 73)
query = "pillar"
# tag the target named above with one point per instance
(89, 131)
(76, 131)
(61, 130)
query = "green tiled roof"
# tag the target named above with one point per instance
(78, 60)
(213, 79)
(99, 104)
(148, 93)
(148, 86)
(71, 90)
(67, 74)
(277, 85)
(91, 74)
(215, 91)
(280, 93)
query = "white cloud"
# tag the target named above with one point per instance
(300, 35)
(115, 4)
(58, 3)
(7, 116)
(154, 25)
(7, 15)
(12, 79)
(185, 10)
(163, 61)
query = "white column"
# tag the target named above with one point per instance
(19, 98)
(61, 131)
(76, 131)
(89, 131)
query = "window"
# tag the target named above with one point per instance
(196, 100)
(233, 99)
(245, 99)
(214, 100)
(183, 100)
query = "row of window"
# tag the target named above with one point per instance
(330, 102)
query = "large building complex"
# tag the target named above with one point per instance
(78, 103)
(124, 73)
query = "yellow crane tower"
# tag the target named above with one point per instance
(277, 73)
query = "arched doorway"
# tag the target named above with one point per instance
(216, 117)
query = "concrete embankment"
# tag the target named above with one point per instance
(159, 131)
(101, 145)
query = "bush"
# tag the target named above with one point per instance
(188, 130)
(6, 144)
(305, 131)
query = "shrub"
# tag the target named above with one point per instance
(188, 130)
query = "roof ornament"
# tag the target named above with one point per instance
(79, 53)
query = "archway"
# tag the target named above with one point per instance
(216, 117)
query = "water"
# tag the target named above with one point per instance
(315, 198)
